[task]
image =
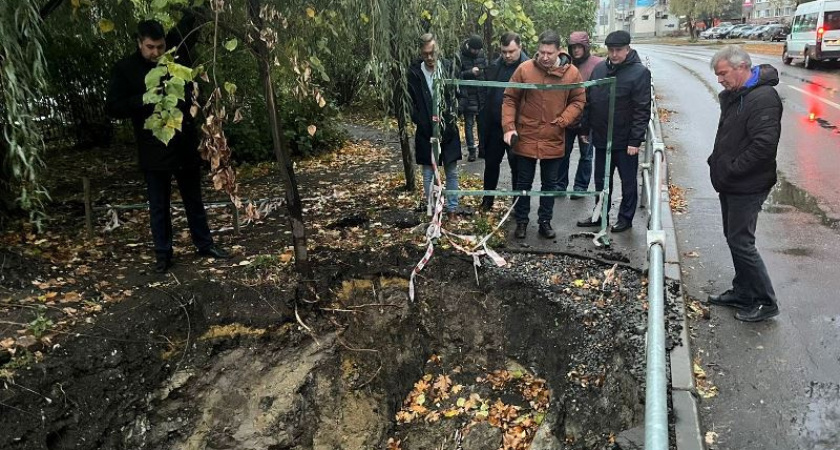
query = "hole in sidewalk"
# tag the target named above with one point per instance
(550, 349)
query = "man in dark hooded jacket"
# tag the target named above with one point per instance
(579, 50)
(420, 87)
(161, 162)
(492, 137)
(630, 123)
(743, 170)
(472, 64)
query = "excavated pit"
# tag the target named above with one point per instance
(220, 366)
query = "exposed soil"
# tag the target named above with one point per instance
(99, 354)
(215, 365)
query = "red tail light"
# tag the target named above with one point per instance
(820, 32)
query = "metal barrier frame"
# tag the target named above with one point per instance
(656, 378)
(439, 83)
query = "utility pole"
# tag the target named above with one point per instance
(612, 17)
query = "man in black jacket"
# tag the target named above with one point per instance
(421, 75)
(492, 137)
(743, 170)
(630, 123)
(161, 162)
(472, 64)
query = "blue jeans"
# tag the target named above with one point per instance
(740, 216)
(451, 171)
(469, 131)
(527, 168)
(584, 168)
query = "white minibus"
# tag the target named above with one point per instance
(814, 34)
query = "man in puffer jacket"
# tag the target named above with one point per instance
(535, 121)
(582, 59)
(630, 124)
(743, 170)
(472, 64)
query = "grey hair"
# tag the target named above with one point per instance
(734, 55)
(425, 39)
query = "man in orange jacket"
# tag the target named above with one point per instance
(535, 121)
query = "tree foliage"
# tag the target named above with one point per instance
(22, 83)
(563, 16)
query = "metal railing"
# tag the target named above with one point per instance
(656, 380)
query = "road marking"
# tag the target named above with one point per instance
(827, 102)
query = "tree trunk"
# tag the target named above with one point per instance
(488, 38)
(399, 109)
(284, 160)
(691, 28)
(399, 89)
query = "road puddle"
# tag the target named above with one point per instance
(786, 195)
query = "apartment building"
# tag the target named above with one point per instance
(768, 11)
(640, 18)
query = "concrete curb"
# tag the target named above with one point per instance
(684, 403)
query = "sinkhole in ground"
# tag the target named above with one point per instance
(546, 353)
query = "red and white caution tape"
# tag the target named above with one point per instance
(475, 247)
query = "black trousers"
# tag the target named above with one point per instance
(494, 152)
(628, 168)
(159, 191)
(740, 216)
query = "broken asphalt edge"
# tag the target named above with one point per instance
(683, 399)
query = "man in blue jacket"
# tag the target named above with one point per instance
(743, 170)
(630, 123)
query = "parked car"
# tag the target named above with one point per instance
(776, 32)
(755, 33)
(720, 32)
(733, 32)
(708, 33)
(741, 32)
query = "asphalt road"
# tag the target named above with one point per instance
(778, 381)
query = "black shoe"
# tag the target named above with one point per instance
(758, 313)
(576, 196)
(730, 299)
(214, 252)
(521, 230)
(546, 231)
(588, 222)
(487, 204)
(471, 158)
(621, 227)
(162, 264)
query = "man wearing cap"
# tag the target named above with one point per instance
(585, 62)
(472, 64)
(630, 122)
(535, 121)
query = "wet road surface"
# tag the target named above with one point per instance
(779, 381)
